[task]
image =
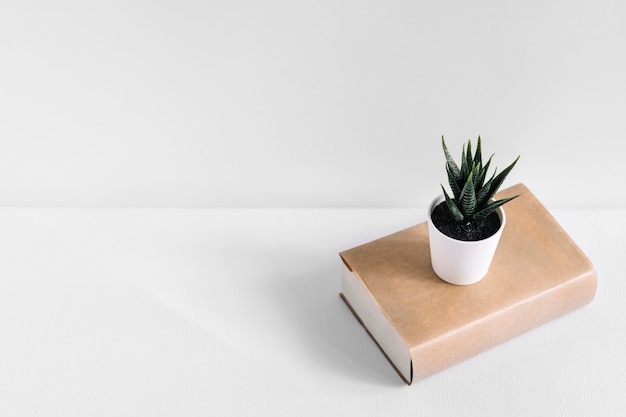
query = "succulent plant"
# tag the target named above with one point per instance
(473, 192)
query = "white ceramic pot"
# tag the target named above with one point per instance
(460, 262)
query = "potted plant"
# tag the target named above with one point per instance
(464, 230)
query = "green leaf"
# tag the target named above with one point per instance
(468, 156)
(478, 159)
(475, 175)
(468, 197)
(464, 167)
(450, 164)
(483, 175)
(499, 179)
(456, 188)
(456, 213)
(482, 195)
(491, 207)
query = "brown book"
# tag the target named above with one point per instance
(424, 325)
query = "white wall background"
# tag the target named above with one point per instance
(306, 103)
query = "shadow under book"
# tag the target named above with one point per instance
(424, 325)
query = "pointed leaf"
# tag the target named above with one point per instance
(468, 155)
(480, 179)
(491, 207)
(483, 175)
(450, 164)
(456, 213)
(464, 167)
(499, 179)
(483, 194)
(454, 185)
(478, 159)
(476, 175)
(467, 202)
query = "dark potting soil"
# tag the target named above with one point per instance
(467, 231)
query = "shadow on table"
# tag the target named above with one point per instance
(334, 338)
(296, 288)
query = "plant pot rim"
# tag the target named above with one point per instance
(440, 198)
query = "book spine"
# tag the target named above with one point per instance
(360, 302)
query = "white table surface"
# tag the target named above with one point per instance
(163, 312)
